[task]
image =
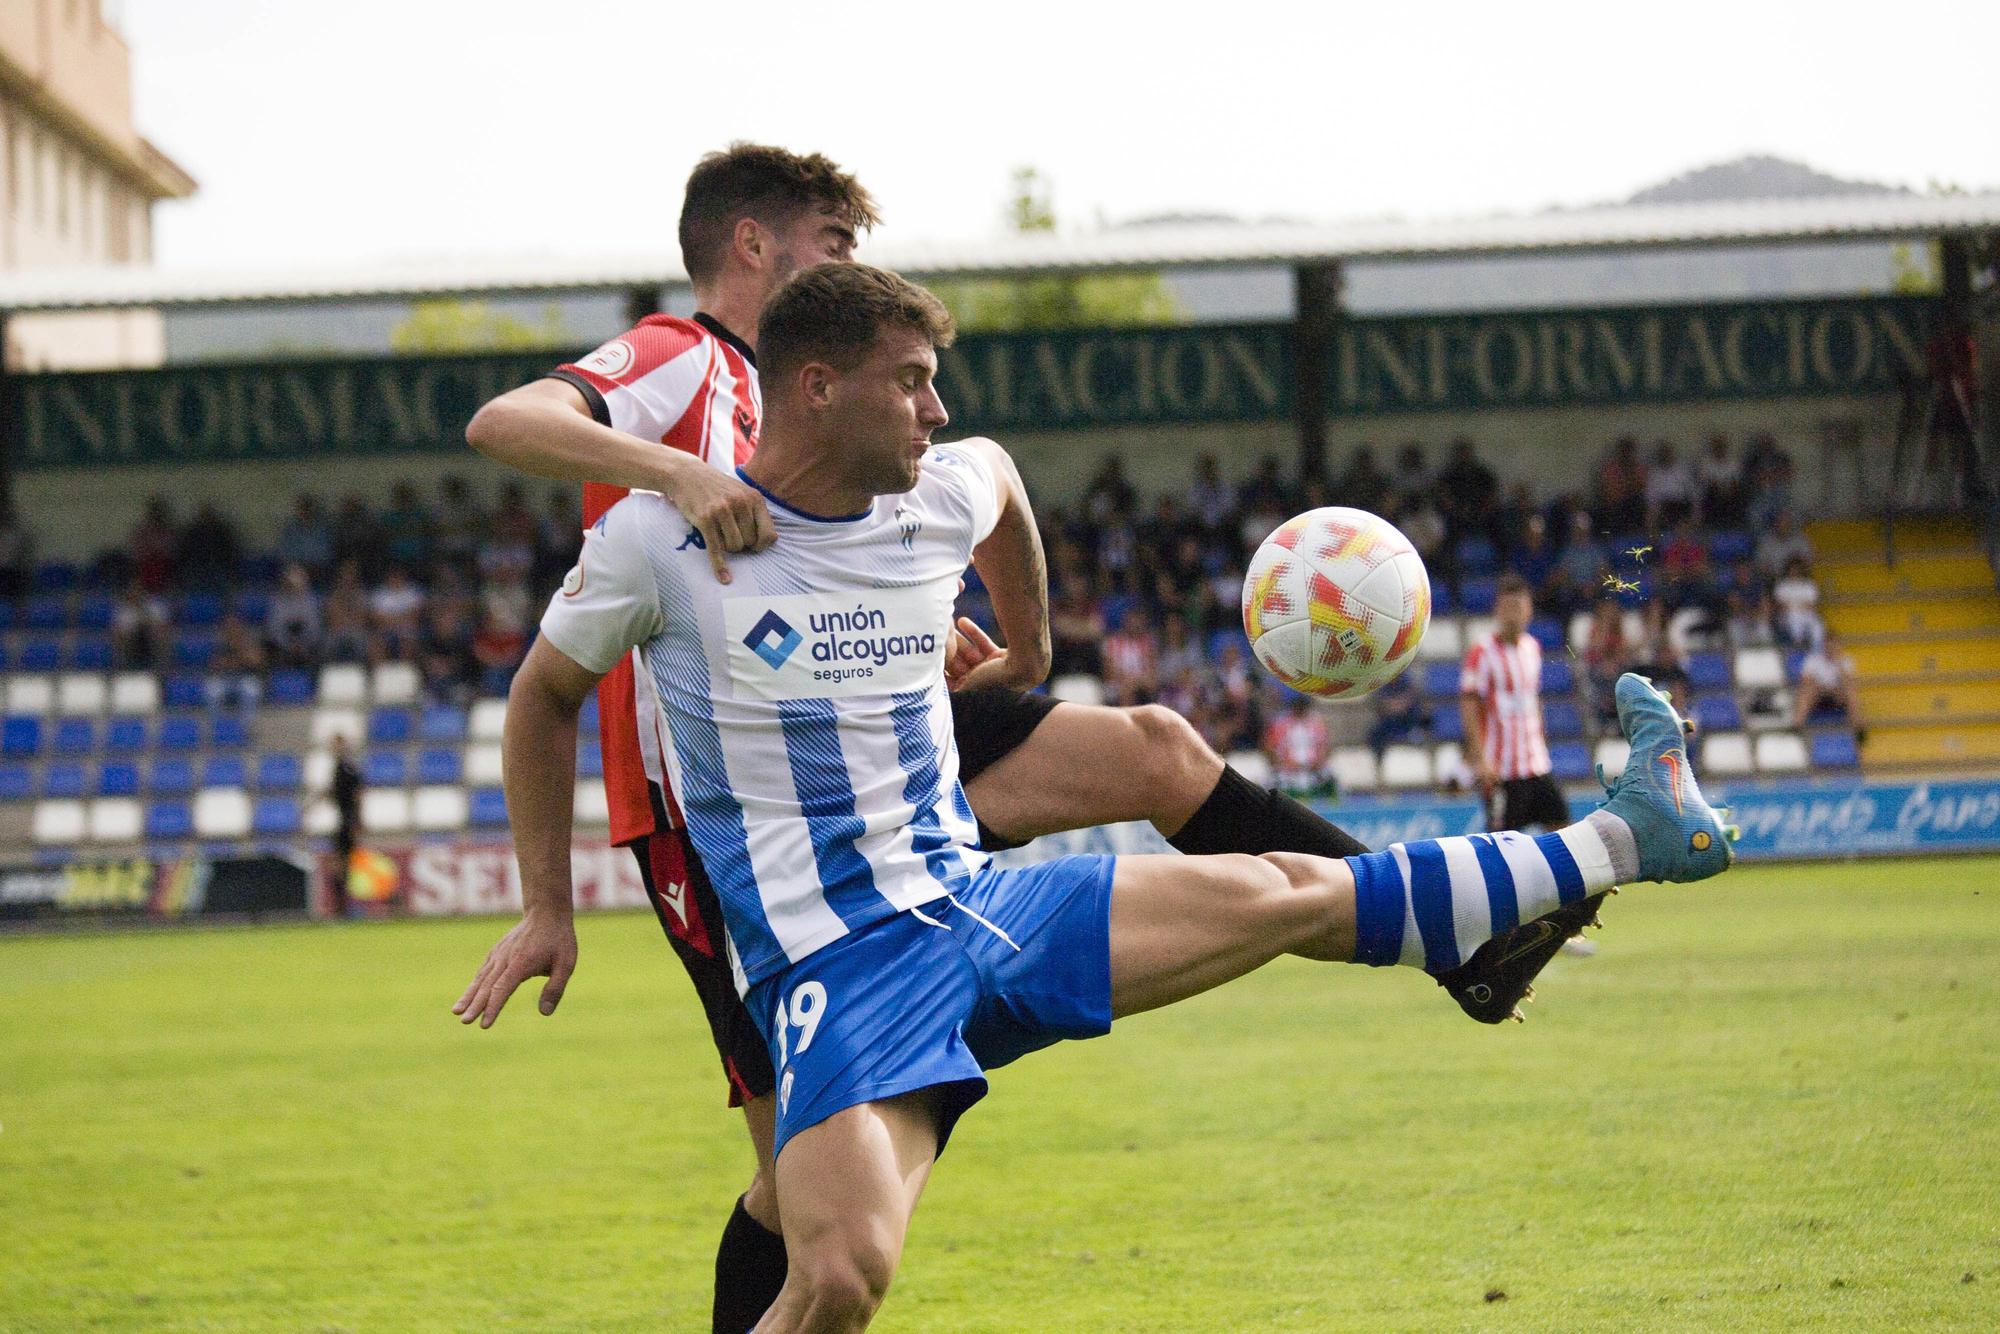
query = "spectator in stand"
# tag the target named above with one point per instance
(1578, 577)
(1670, 489)
(1468, 490)
(357, 538)
(1658, 656)
(1364, 485)
(1750, 613)
(1500, 703)
(1399, 714)
(306, 540)
(139, 628)
(558, 539)
(1826, 691)
(1299, 746)
(450, 621)
(1534, 559)
(1178, 650)
(1109, 493)
(1507, 529)
(1621, 488)
(17, 553)
(1782, 544)
(206, 554)
(346, 617)
(292, 624)
(1267, 490)
(1076, 629)
(236, 676)
(507, 550)
(406, 529)
(461, 523)
(1606, 656)
(153, 547)
(497, 648)
(1411, 477)
(345, 793)
(1686, 577)
(1423, 523)
(1131, 661)
(1797, 600)
(395, 613)
(1770, 474)
(1720, 479)
(1211, 499)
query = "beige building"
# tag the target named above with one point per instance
(77, 180)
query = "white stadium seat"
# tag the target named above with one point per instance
(395, 683)
(1442, 642)
(1252, 764)
(1725, 755)
(59, 821)
(1680, 630)
(482, 765)
(1781, 753)
(343, 683)
(330, 723)
(1354, 769)
(489, 719)
(116, 820)
(1477, 628)
(1768, 710)
(1612, 753)
(440, 808)
(1077, 688)
(321, 819)
(1579, 630)
(592, 806)
(222, 812)
(318, 770)
(1406, 766)
(30, 694)
(385, 810)
(1634, 626)
(1759, 669)
(81, 694)
(135, 692)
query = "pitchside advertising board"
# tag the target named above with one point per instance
(1047, 381)
(161, 888)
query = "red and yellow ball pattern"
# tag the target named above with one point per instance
(1336, 602)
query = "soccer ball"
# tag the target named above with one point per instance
(1336, 602)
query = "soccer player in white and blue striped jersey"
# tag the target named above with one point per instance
(809, 737)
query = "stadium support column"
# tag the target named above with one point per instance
(1316, 299)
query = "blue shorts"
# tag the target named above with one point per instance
(936, 996)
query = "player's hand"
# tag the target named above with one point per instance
(1487, 775)
(973, 660)
(540, 945)
(729, 515)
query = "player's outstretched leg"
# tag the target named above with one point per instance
(1490, 985)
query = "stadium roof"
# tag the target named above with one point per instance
(1194, 245)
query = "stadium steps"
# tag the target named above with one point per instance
(1961, 701)
(1930, 747)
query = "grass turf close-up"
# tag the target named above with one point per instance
(1769, 1103)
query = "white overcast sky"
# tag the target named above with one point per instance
(329, 134)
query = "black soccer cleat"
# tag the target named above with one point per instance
(1491, 985)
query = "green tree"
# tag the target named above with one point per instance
(1055, 301)
(450, 325)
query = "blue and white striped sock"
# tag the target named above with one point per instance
(1431, 904)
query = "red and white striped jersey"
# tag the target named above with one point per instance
(1298, 745)
(1507, 678)
(688, 384)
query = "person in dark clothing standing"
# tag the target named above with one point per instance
(346, 793)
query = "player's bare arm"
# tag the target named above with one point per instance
(1016, 574)
(1472, 713)
(545, 429)
(540, 779)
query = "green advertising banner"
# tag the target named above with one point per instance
(1055, 381)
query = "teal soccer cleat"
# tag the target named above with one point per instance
(1679, 835)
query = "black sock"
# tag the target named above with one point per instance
(1239, 816)
(749, 1271)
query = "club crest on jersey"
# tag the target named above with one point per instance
(910, 527)
(572, 583)
(693, 539)
(744, 426)
(610, 361)
(773, 639)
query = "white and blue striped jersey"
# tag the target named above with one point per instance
(807, 730)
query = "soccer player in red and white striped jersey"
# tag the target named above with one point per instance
(1501, 704)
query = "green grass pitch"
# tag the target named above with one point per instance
(1772, 1103)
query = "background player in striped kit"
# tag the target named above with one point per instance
(888, 965)
(1500, 699)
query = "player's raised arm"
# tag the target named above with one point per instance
(1016, 573)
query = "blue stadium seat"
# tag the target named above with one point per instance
(172, 777)
(118, 778)
(586, 718)
(6, 658)
(75, 736)
(229, 731)
(200, 611)
(280, 773)
(1632, 599)
(444, 722)
(184, 690)
(7, 613)
(1442, 603)
(440, 766)
(1447, 724)
(40, 655)
(1558, 677)
(389, 727)
(95, 612)
(1560, 720)
(1718, 713)
(193, 650)
(169, 819)
(55, 576)
(1440, 679)
(259, 571)
(224, 771)
(1794, 660)
(1708, 671)
(91, 653)
(252, 607)
(590, 759)
(289, 686)
(21, 738)
(1476, 555)
(488, 807)
(1835, 750)
(1477, 596)
(125, 734)
(17, 782)
(179, 734)
(45, 613)
(1570, 761)
(384, 768)
(1550, 633)
(275, 816)
(63, 780)
(1729, 548)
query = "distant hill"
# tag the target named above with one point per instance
(1758, 176)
